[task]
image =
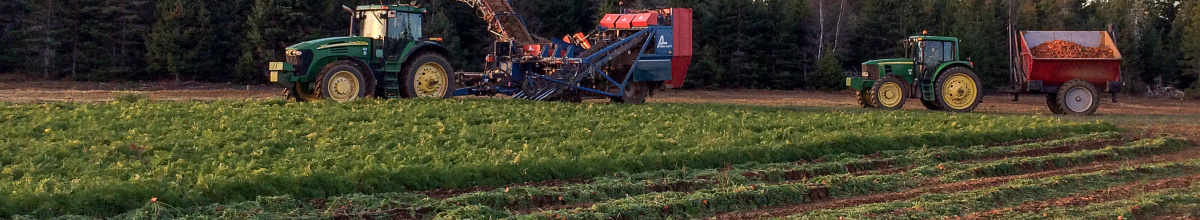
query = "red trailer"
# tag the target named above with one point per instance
(1072, 85)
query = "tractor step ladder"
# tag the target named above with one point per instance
(502, 21)
(391, 85)
(927, 89)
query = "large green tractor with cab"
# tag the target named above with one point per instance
(931, 71)
(385, 55)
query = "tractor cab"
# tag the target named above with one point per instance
(930, 71)
(392, 27)
(929, 52)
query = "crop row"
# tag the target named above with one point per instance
(1155, 205)
(107, 158)
(643, 200)
(940, 205)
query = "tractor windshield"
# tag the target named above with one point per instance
(374, 24)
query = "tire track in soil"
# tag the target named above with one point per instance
(1099, 196)
(780, 211)
(881, 168)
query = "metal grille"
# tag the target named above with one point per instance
(870, 71)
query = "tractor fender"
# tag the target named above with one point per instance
(421, 47)
(317, 66)
(948, 65)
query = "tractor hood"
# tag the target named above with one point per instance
(889, 61)
(332, 42)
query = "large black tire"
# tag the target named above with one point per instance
(955, 93)
(299, 93)
(428, 75)
(635, 93)
(1052, 102)
(931, 105)
(1077, 97)
(864, 98)
(890, 92)
(343, 81)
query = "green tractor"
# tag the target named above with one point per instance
(931, 71)
(386, 55)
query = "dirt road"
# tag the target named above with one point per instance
(34, 91)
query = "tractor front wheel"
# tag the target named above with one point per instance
(429, 75)
(301, 92)
(958, 90)
(1076, 97)
(864, 98)
(890, 92)
(342, 81)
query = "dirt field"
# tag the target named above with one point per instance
(33, 91)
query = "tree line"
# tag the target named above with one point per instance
(764, 44)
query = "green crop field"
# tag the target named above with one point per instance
(103, 159)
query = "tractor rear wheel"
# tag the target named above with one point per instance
(890, 92)
(931, 105)
(635, 93)
(428, 75)
(958, 90)
(864, 98)
(1077, 97)
(343, 81)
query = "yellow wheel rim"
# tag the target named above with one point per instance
(305, 93)
(890, 94)
(959, 91)
(430, 81)
(343, 86)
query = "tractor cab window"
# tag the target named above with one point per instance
(404, 26)
(374, 24)
(948, 51)
(932, 52)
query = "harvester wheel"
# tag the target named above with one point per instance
(958, 90)
(1077, 97)
(429, 75)
(864, 98)
(635, 93)
(931, 105)
(343, 81)
(890, 92)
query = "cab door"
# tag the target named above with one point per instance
(403, 30)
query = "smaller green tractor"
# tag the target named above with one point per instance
(930, 71)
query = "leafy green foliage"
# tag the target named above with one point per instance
(101, 159)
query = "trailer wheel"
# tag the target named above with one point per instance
(1052, 102)
(864, 98)
(958, 90)
(890, 92)
(428, 75)
(342, 81)
(635, 93)
(1077, 97)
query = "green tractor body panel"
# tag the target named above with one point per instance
(315, 54)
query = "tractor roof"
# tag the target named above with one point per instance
(937, 38)
(400, 8)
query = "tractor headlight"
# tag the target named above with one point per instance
(866, 74)
(294, 53)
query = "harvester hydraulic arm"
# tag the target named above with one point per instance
(502, 21)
